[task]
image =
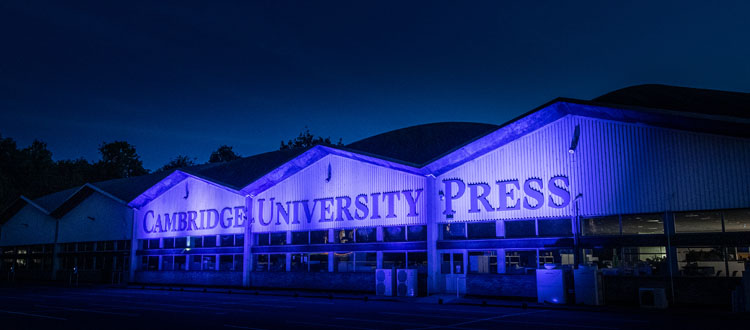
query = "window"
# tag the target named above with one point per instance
(394, 234)
(298, 262)
(481, 230)
(365, 261)
(520, 261)
(454, 231)
(394, 260)
(417, 260)
(555, 227)
(556, 257)
(645, 260)
(152, 245)
(167, 262)
(152, 263)
(344, 235)
(209, 241)
(600, 226)
(238, 262)
(226, 262)
(226, 240)
(737, 257)
(209, 261)
(701, 261)
(195, 262)
(366, 235)
(520, 229)
(109, 245)
(195, 242)
(300, 237)
(737, 220)
(343, 262)
(180, 242)
(639, 224)
(416, 233)
(697, 222)
(445, 263)
(262, 239)
(278, 262)
(483, 262)
(239, 240)
(261, 263)
(180, 263)
(319, 237)
(278, 238)
(169, 243)
(318, 262)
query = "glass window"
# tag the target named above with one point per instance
(343, 235)
(209, 241)
(481, 230)
(209, 261)
(262, 239)
(454, 231)
(520, 229)
(644, 260)
(152, 245)
(318, 262)
(196, 242)
(417, 260)
(445, 263)
(638, 224)
(520, 261)
(394, 260)
(278, 262)
(483, 262)
(737, 257)
(153, 263)
(124, 245)
(394, 234)
(366, 261)
(238, 262)
(180, 242)
(239, 240)
(555, 227)
(366, 235)
(300, 237)
(278, 238)
(169, 243)
(226, 261)
(319, 237)
(556, 257)
(180, 263)
(195, 262)
(701, 261)
(226, 240)
(109, 245)
(261, 262)
(697, 222)
(416, 233)
(298, 262)
(737, 220)
(36, 249)
(343, 262)
(167, 262)
(600, 226)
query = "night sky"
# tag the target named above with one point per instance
(182, 78)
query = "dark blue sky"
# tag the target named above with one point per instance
(183, 78)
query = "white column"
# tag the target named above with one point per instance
(432, 207)
(247, 260)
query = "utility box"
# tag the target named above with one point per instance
(588, 286)
(550, 286)
(652, 297)
(384, 282)
(406, 282)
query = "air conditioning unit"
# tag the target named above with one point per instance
(384, 282)
(652, 298)
(406, 282)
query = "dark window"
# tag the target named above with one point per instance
(344, 235)
(319, 237)
(169, 243)
(180, 242)
(365, 261)
(520, 262)
(226, 240)
(239, 240)
(555, 227)
(520, 228)
(195, 262)
(261, 263)
(226, 261)
(417, 260)
(167, 263)
(196, 242)
(300, 237)
(638, 224)
(697, 222)
(394, 260)
(152, 245)
(394, 234)
(99, 247)
(599, 226)
(343, 262)
(556, 256)
(483, 262)
(262, 239)
(238, 262)
(209, 261)
(209, 241)
(109, 245)
(180, 263)
(278, 238)
(481, 230)
(367, 235)
(454, 231)
(153, 263)
(123, 245)
(416, 233)
(318, 262)
(278, 262)
(298, 263)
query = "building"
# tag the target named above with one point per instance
(651, 183)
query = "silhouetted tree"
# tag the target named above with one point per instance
(178, 162)
(305, 139)
(119, 160)
(223, 154)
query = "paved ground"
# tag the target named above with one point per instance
(134, 308)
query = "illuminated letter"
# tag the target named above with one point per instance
(412, 201)
(449, 197)
(282, 212)
(361, 206)
(239, 216)
(157, 226)
(260, 212)
(209, 225)
(192, 216)
(559, 191)
(533, 192)
(375, 206)
(505, 194)
(145, 223)
(342, 207)
(308, 212)
(169, 222)
(182, 223)
(225, 221)
(475, 197)
(325, 208)
(389, 195)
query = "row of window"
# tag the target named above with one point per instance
(194, 262)
(34, 263)
(28, 249)
(510, 229)
(344, 236)
(94, 262)
(342, 261)
(684, 222)
(98, 246)
(192, 242)
(516, 261)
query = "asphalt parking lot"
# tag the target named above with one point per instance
(123, 308)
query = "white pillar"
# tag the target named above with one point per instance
(247, 261)
(432, 212)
